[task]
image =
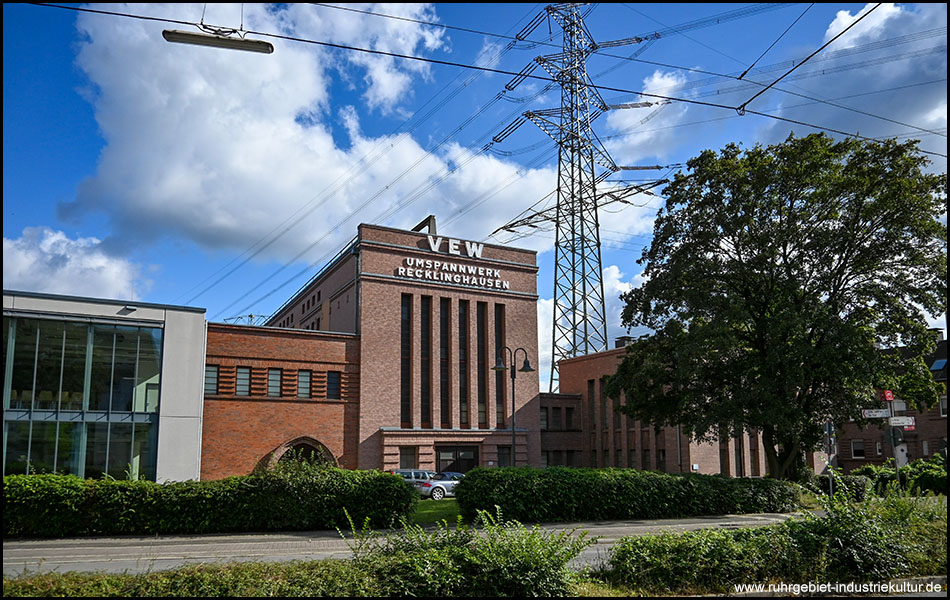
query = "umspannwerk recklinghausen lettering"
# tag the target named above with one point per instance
(453, 272)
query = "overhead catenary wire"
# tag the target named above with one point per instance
(777, 40)
(741, 107)
(711, 104)
(505, 72)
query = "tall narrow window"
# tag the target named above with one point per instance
(500, 411)
(243, 382)
(463, 363)
(617, 412)
(591, 420)
(481, 339)
(211, 380)
(604, 418)
(273, 382)
(405, 346)
(303, 384)
(425, 367)
(444, 408)
(333, 385)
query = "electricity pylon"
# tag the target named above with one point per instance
(580, 323)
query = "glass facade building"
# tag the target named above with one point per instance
(80, 398)
(95, 387)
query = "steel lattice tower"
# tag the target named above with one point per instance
(580, 323)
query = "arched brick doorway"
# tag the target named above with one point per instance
(306, 448)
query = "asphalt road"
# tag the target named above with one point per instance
(145, 554)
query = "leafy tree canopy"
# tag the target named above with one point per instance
(775, 278)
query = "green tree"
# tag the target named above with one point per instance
(774, 279)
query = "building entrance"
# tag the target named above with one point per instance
(460, 459)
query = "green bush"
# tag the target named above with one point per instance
(564, 494)
(854, 487)
(872, 541)
(281, 500)
(920, 476)
(702, 561)
(43, 505)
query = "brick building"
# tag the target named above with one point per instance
(858, 446)
(609, 438)
(383, 360)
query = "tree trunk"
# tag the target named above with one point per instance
(780, 464)
(771, 456)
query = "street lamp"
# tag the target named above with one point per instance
(218, 38)
(525, 368)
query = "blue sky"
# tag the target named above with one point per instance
(138, 169)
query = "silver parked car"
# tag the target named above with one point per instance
(414, 475)
(440, 485)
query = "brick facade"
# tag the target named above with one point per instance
(392, 299)
(241, 432)
(928, 436)
(612, 439)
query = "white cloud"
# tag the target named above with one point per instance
(223, 148)
(47, 261)
(872, 25)
(904, 78)
(639, 133)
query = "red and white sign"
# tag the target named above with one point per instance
(909, 427)
(887, 395)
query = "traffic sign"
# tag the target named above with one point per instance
(887, 395)
(875, 413)
(901, 421)
(909, 428)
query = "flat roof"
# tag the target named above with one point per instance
(104, 301)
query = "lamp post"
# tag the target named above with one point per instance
(525, 368)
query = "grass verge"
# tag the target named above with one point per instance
(431, 512)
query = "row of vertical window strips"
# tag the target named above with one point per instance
(80, 398)
(426, 357)
(554, 422)
(274, 382)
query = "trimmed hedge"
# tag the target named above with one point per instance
(565, 494)
(64, 505)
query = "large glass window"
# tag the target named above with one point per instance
(24, 363)
(149, 368)
(83, 396)
(75, 353)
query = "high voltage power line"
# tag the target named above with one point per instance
(491, 70)
(599, 88)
